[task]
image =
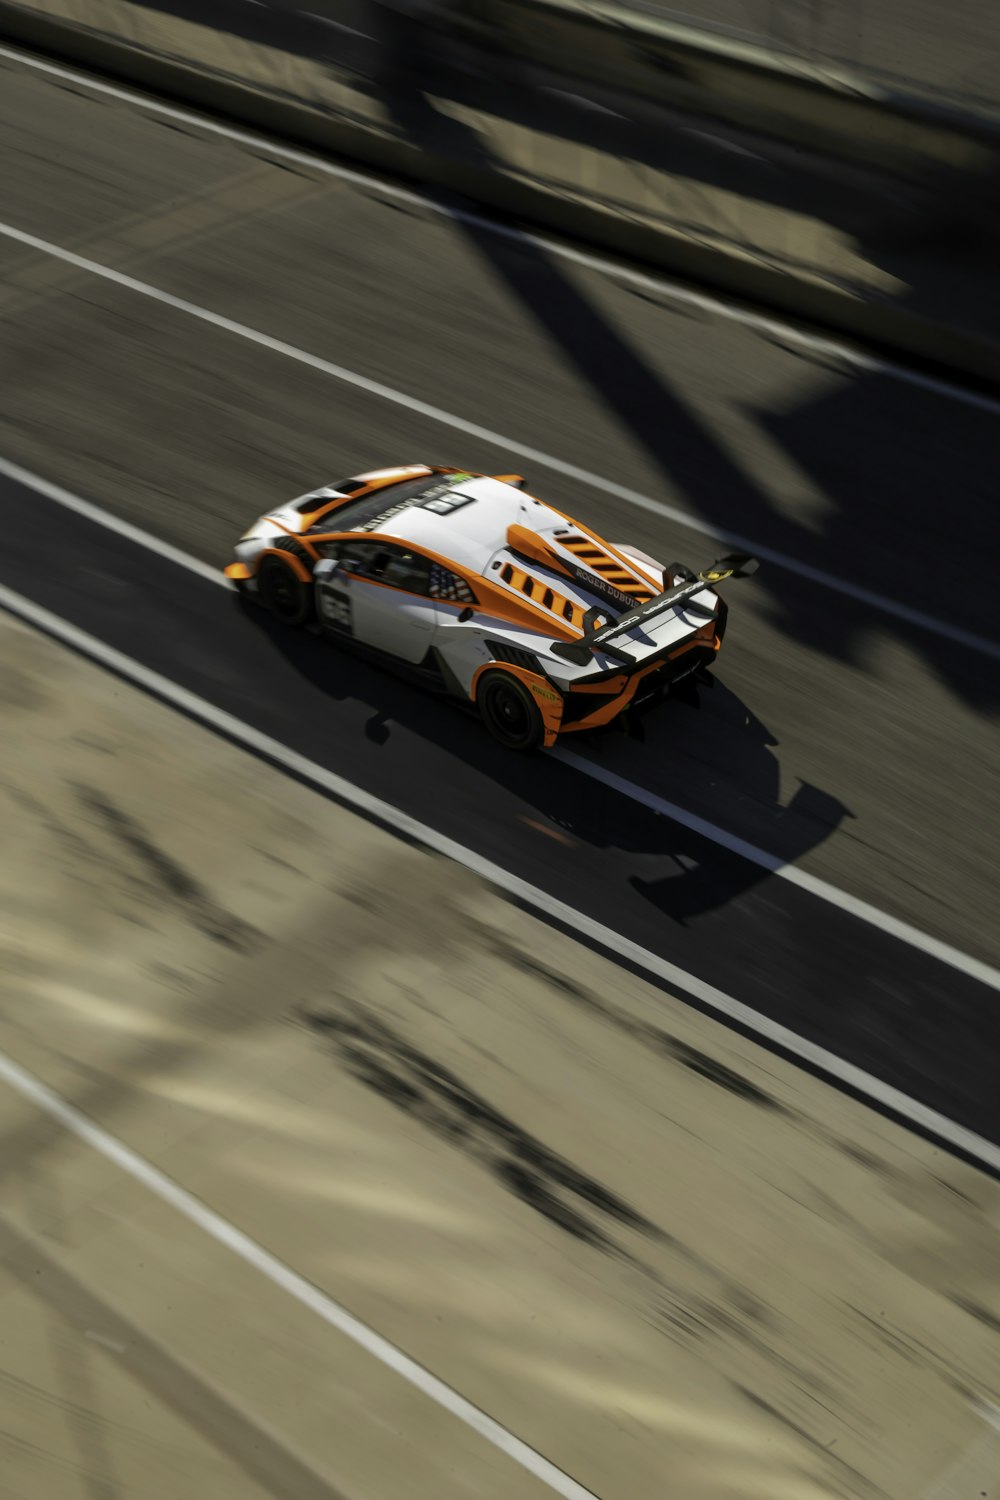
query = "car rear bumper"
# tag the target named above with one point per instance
(591, 706)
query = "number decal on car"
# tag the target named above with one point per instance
(335, 608)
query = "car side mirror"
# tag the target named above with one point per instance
(466, 614)
(325, 569)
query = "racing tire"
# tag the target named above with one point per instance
(283, 593)
(509, 712)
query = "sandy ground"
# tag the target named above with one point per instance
(671, 1263)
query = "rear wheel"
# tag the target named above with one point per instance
(281, 591)
(509, 712)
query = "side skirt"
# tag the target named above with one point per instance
(432, 673)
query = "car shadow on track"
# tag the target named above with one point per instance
(724, 759)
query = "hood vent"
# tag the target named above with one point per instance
(589, 565)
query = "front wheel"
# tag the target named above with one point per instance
(281, 591)
(509, 712)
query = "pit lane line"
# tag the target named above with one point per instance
(893, 1101)
(943, 628)
(893, 926)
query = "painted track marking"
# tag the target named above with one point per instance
(325, 1308)
(963, 962)
(100, 517)
(852, 358)
(831, 894)
(965, 638)
(949, 1132)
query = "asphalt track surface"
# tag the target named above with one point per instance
(857, 745)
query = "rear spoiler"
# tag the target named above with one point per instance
(733, 565)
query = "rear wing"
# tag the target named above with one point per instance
(733, 565)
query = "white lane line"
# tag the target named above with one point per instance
(254, 1254)
(855, 907)
(931, 623)
(110, 523)
(852, 358)
(612, 942)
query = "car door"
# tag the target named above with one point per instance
(382, 588)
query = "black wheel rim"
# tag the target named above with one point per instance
(508, 715)
(282, 592)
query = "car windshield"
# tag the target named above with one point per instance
(368, 511)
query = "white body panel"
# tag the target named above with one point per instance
(462, 646)
(401, 624)
(389, 620)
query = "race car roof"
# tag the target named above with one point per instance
(469, 520)
(461, 518)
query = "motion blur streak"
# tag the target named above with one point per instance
(861, 595)
(284, 1277)
(101, 517)
(852, 358)
(974, 1146)
(904, 931)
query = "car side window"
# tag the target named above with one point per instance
(391, 564)
(357, 557)
(383, 562)
(407, 570)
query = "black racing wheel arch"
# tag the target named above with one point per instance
(509, 711)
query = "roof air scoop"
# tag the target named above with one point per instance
(529, 546)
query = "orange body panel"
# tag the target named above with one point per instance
(643, 586)
(554, 617)
(603, 713)
(550, 702)
(618, 701)
(298, 567)
(530, 544)
(603, 560)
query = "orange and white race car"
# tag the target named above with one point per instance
(478, 590)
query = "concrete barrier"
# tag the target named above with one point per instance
(298, 99)
(654, 58)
